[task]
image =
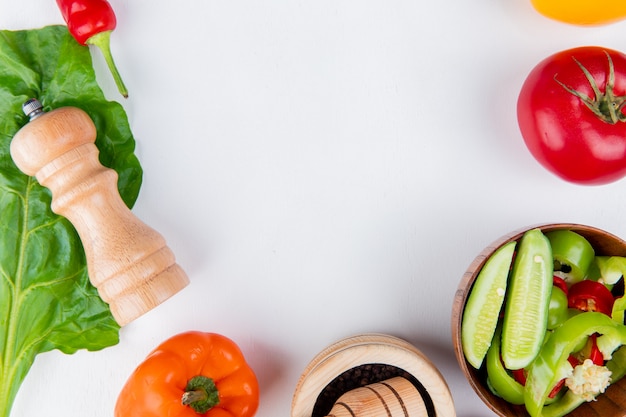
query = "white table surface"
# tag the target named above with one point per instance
(321, 169)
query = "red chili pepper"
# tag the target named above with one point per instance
(589, 295)
(520, 374)
(91, 22)
(559, 385)
(560, 283)
(595, 354)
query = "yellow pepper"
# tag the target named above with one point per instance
(582, 12)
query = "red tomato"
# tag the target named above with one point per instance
(570, 113)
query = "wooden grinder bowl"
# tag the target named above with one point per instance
(372, 375)
(610, 404)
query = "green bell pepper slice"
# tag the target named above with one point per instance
(570, 401)
(572, 254)
(611, 268)
(618, 309)
(617, 365)
(499, 381)
(558, 311)
(551, 365)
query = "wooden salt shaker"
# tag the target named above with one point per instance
(422, 393)
(127, 261)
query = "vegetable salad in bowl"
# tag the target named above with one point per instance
(538, 321)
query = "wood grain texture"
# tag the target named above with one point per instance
(395, 397)
(367, 349)
(128, 261)
(610, 404)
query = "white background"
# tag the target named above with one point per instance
(321, 169)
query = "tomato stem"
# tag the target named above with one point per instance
(200, 394)
(607, 106)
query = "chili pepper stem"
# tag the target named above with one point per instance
(102, 41)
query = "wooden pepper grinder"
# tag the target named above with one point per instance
(127, 261)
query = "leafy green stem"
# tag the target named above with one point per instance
(9, 362)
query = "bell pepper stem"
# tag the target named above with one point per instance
(200, 394)
(193, 396)
(102, 41)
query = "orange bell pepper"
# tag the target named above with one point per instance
(189, 375)
(582, 12)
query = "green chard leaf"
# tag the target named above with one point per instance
(46, 299)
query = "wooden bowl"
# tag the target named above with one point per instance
(361, 360)
(610, 404)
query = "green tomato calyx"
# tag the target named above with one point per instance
(606, 105)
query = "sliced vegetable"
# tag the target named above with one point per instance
(611, 268)
(520, 376)
(558, 311)
(499, 380)
(560, 284)
(528, 299)
(46, 299)
(619, 306)
(588, 295)
(552, 364)
(595, 355)
(617, 364)
(193, 373)
(572, 254)
(558, 388)
(484, 304)
(91, 23)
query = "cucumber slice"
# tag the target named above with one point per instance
(528, 300)
(484, 303)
